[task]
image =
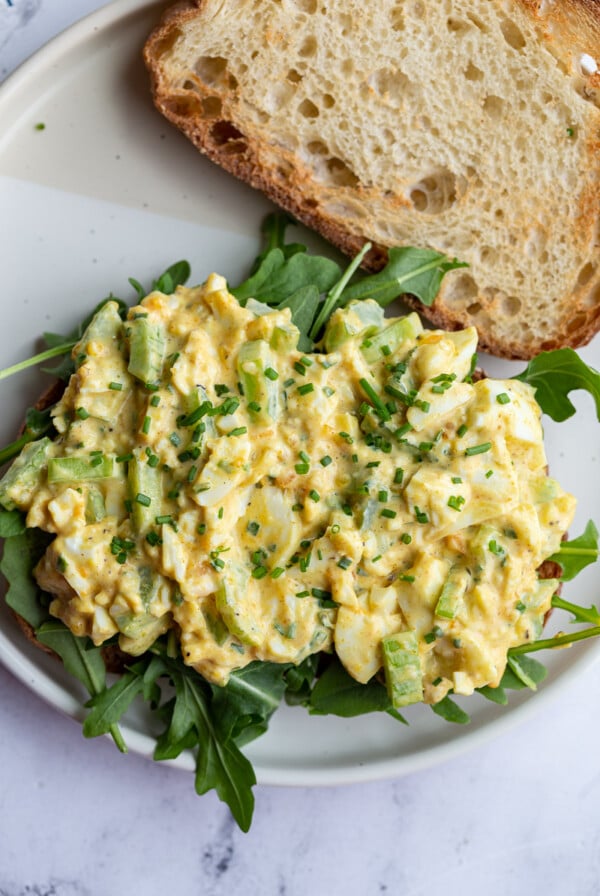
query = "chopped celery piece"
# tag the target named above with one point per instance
(140, 630)
(261, 390)
(105, 326)
(145, 492)
(365, 317)
(400, 331)
(147, 346)
(402, 668)
(80, 468)
(452, 593)
(95, 509)
(284, 339)
(23, 477)
(234, 605)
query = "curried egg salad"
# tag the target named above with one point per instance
(210, 479)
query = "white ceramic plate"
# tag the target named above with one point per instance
(107, 190)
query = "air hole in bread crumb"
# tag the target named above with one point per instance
(212, 106)
(493, 106)
(309, 6)
(308, 47)
(397, 17)
(460, 288)
(577, 322)
(390, 83)
(474, 309)
(308, 109)
(472, 73)
(317, 148)
(512, 34)
(457, 26)
(294, 76)
(511, 306)
(328, 101)
(435, 193)
(340, 174)
(585, 274)
(226, 135)
(211, 68)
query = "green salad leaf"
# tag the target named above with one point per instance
(575, 555)
(554, 375)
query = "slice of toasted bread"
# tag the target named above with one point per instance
(468, 126)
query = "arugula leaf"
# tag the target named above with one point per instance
(279, 277)
(303, 304)
(557, 641)
(175, 275)
(299, 681)
(451, 711)
(37, 424)
(248, 701)
(554, 375)
(408, 270)
(580, 614)
(109, 704)
(337, 693)
(81, 660)
(496, 695)
(21, 553)
(524, 672)
(220, 765)
(12, 522)
(575, 555)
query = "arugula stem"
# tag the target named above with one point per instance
(581, 614)
(558, 641)
(331, 299)
(11, 450)
(115, 733)
(37, 359)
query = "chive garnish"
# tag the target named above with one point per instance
(478, 449)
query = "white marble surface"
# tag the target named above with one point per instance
(519, 815)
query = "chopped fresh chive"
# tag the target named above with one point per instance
(406, 578)
(146, 425)
(306, 389)
(259, 572)
(478, 449)
(301, 469)
(278, 571)
(405, 538)
(382, 495)
(456, 502)
(314, 495)
(325, 460)
(421, 516)
(238, 431)
(116, 387)
(254, 406)
(380, 408)
(344, 562)
(462, 429)
(398, 475)
(82, 413)
(253, 527)
(201, 528)
(300, 368)
(271, 374)
(346, 437)
(503, 398)
(389, 514)
(123, 458)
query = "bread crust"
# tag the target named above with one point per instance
(562, 26)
